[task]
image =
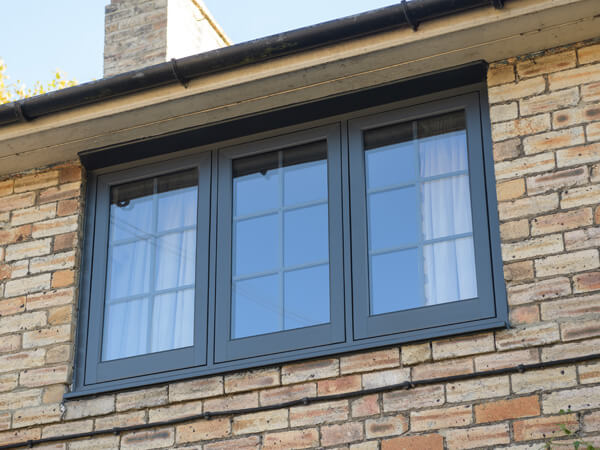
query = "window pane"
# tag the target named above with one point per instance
(419, 214)
(449, 271)
(151, 266)
(256, 306)
(281, 252)
(395, 283)
(305, 235)
(392, 222)
(306, 297)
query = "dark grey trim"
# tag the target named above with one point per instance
(259, 50)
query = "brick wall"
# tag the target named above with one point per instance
(545, 111)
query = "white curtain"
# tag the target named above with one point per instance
(449, 265)
(152, 248)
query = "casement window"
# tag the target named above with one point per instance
(369, 229)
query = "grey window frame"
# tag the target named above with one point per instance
(445, 314)
(220, 355)
(228, 349)
(98, 371)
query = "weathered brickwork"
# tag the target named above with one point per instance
(545, 122)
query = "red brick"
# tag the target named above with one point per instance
(365, 406)
(69, 174)
(340, 385)
(425, 441)
(586, 282)
(67, 207)
(521, 315)
(544, 427)
(507, 409)
(65, 241)
(366, 362)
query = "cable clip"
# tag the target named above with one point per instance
(414, 25)
(305, 401)
(521, 368)
(20, 113)
(207, 415)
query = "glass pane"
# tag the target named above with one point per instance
(256, 245)
(395, 283)
(446, 207)
(306, 297)
(449, 271)
(444, 153)
(305, 183)
(151, 257)
(175, 260)
(419, 213)
(125, 330)
(256, 307)
(174, 307)
(393, 219)
(391, 165)
(284, 242)
(305, 235)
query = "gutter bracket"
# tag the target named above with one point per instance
(498, 4)
(177, 74)
(414, 25)
(19, 111)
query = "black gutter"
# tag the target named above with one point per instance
(184, 69)
(521, 368)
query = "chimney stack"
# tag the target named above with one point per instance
(140, 33)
